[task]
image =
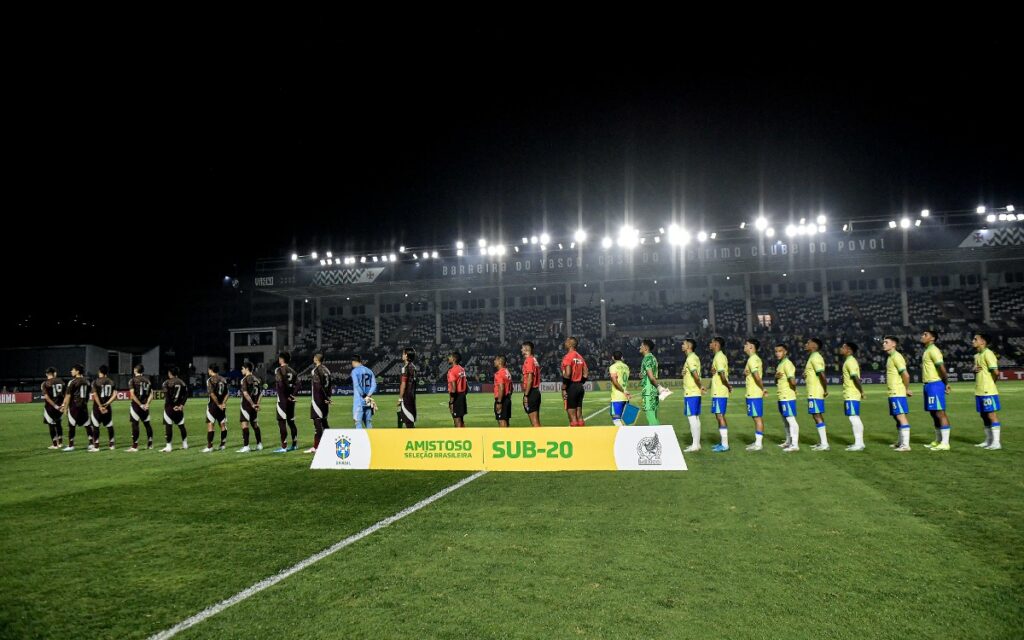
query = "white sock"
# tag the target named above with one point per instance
(858, 430)
(995, 433)
(695, 430)
(905, 435)
(822, 434)
(758, 436)
(794, 432)
(617, 422)
(988, 436)
(723, 433)
(944, 434)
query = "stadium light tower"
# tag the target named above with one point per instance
(980, 210)
(770, 232)
(545, 238)
(1010, 208)
(314, 255)
(892, 224)
(606, 242)
(533, 239)
(392, 257)
(629, 237)
(822, 219)
(482, 242)
(990, 217)
(702, 236)
(580, 236)
(295, 257)
(904, 223)
(329, 254)
(790, 230)
(434, 255)
(925, 213)
(459, 244)
(761, 223)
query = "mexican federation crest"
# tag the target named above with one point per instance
(343, 447)
(649, 450)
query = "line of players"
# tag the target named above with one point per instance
(74, 399)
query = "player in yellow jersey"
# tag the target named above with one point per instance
(752, 372)
(720, 391)
(936, 386)
(817, 390)
(986, 395)
(898, 381)
(692, 392)
(618, 373)
(853, 393)
(785, 388)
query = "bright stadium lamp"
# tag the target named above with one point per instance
(392, 257)
(545, 238)
(533, 239)
(714, 234)
(822, 219)
(821, 228)
(434, 255)
(401, 249)
(500, 249)
(917, 223)
(925, 213)
(1010, 208)
(702, 236)
(743, 225)
(790, 230)
(295, 257)
(323, 263)
(904, 223)
(892, 224)
(770, 232)
(415, 257)
(629, 237)
(606, 242)
(313, 255)
(482, 242)
(459, 244)
(980, 210)
(990, 217)
(362, 259)
(329, 254)
(657, 239)
(811, 229)
(526, 240)
(580, 235)
(761, 223)
(458, 252)
(543, 247)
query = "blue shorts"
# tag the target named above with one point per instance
(692, 405)
(935, 396)
(852, 407)
(617, 408)
(815, 406)
(718, 405)
(787, 408)
(898, 406)
(755, 407)
(986, 404)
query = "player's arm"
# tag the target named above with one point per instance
(824, 383)
(695, 374)
(213, 396)
(296, 386)
(725, 379)
(586, 371)
(943, 375)
(46, 396)
(248, 398)
(855, 379)
(527, 383)
(651, 377)
(566, 375)
(131, 395)
(401, 390)
(67, 399)
(149, 398)
(756, 375)
(906, 381)
(327, 387)
(113, 397)
(373, 385)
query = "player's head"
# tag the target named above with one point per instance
(571, 343)
(357, 360)
(689, 346)
(981, 341)
(781, 351)
(77, 370)
(717, 344)
(646, 346)
(172, 372)
(408, 355)
(890, 343)
(247, 368)
(454, 357)
(284, 358)
(527, 348)
(103, 370)
(617, 356)
(849, 349)
(213, 369)
(139, 369)
(813, 344)
(928, 336)
(499, 362)
(318, 359)
(751, 346)
(51, 373)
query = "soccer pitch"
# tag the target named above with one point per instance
(743, 545)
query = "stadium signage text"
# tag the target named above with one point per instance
(542, 449)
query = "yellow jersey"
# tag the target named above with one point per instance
(815, 365)
(690, 367)
(930, 361)
(851, 372)
(984, 382)
(783, 387)
(754, 368)
(719, 364)
(895, 365)
(619, 371)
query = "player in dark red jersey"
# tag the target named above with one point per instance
(287, 387)
(407, 391)
(531, 384)
(141, 394)
(217, 408)
(103, 395)
(320, 406)
(252, 389)
(53, 407)
(457, 388)
(175, 397)
(574, 376)
(76, 405)
(502, 392)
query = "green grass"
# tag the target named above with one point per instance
(744, 545)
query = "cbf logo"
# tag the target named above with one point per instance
(343, 447)
(649, 450)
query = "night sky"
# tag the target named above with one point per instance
(146, 180)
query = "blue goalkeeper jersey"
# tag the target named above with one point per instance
(364, 383)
